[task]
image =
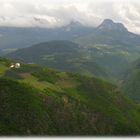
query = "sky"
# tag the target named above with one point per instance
(56, 13)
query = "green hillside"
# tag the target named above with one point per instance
(36, 100)
(62, 55)
(131, 83)
(112, 46)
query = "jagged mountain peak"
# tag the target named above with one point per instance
(108, 21)
(109, 24)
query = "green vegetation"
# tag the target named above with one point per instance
(21, 109)
(61, 55)
(132, 86)
(43, 99)
(37, 100)
(105, 61)
(131, 82)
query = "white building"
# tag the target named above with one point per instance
(12, 66)
(16, 65)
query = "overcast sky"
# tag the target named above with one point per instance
(52, 13)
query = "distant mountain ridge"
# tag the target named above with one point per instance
(16, 37)
(108, 24)
(109, 46)
(111, 33)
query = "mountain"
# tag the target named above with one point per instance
(109, 25)
(111, 33)
(109, 46)
(12, 38)
(62, 55)
(37, 100)
(112, 45)
(107, 33)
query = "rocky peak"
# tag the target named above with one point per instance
(109, 25)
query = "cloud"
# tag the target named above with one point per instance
(54, 13)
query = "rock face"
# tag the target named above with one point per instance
(109, 25)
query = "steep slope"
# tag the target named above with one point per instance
(131, 83)
(62, 55)
(21, 109)
(37, 101)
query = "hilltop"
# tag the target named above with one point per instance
(61, 55)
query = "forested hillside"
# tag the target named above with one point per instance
(37, 100)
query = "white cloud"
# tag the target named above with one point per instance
(51, 13)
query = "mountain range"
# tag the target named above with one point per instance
(107, 47)
(107, 32)
(12, 38)
(71, 81)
